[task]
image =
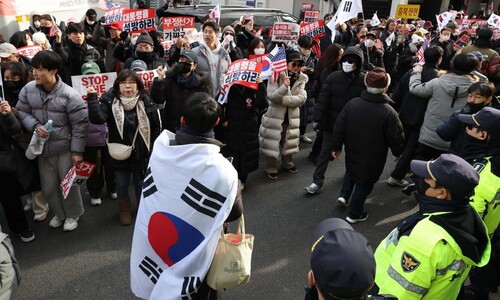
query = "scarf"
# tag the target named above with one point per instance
(186, 130)
(187, 83)
(118, 108)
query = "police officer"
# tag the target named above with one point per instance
(485, 127)
(430, 253)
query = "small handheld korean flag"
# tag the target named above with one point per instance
(375, 20)
(494, 20)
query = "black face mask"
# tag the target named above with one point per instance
(184, 67)
(144, 56)
(14, 85)
(476, 107)
(45, 30)
(421, 185)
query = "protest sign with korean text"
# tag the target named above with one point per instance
(147, 78)
(29, 51)
(67, 182)
(285, 32)
(407, 11)
(101, 83)
(177, 27)
(243, 72)
(137, 20)
(83, 172)
(315, 29)
(311, 16)
(113, 15)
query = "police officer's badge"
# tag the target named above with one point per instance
(408, 262)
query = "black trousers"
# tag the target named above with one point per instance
(411, 144)
(11, 203)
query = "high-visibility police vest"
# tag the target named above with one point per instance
(486, 199)
(426, 264)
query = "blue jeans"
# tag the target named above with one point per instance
(359, 193)
(122, 178)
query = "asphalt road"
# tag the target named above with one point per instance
(92, 262)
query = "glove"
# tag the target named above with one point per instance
(123, 36)
(316, 126)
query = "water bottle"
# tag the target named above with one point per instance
(49, 128)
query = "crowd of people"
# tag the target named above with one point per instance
(427, 95)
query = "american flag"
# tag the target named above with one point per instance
(106, 5)
(420, 54)
(278, 61)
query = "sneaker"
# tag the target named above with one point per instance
(313, 188)
(27, 236)
(113, 196)
(304, 139)
(342, 200)
(272, 176)
(70, 224)
(361, 218)
(293, 170)
(409, 189)
(397, 182)
(55, 222)
(95, 201)
(40, 217)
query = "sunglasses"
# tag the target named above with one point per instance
(350, 60)
(295, 64)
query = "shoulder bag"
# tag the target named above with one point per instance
(120, 151)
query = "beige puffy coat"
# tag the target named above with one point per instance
(280, 101)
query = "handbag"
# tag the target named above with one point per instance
(231, 264)
(120, 151)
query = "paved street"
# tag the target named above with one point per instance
(93, 261)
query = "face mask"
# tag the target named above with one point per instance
(37, 24)
(421, 185)
(90, 22)
(14, 85)
(305, 52)
(133, 40)
(30, 43)
(475, 107)
(184, 67)
(413, 48)
(45, 30)
(445, 38)
(145, 56)
(259, 51)
(347, 67)
(369, 43)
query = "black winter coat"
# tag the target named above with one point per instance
(411, 107)
(391, 52)
(100, 112)
(338, 88)
(243, 38)
(448, 52)
(241, 135)
(170, 92)
(405, 62)
(372, 58)
(74, 57)
(368, 126)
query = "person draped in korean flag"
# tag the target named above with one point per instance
(189, 191)
(279, 132)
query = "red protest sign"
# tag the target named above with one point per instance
(113, 15)
(177, 27)
(137, 20)
(244, 72)
(29, 51)
(311, 16)
(67, 182)
(83, 172)
(315, 29)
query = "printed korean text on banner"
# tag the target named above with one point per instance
(278, 62)
(185, 201)
(347, 10)
(494, 20)
(243, 72)
(375, 20)
(177, 27)
(101, 83)
(285, 32)
(137, 20)
(147, 78)
(407, 11)
(83, 172)
(113, 15)
(315, 29)
(311, 16)
(462, 42)
(29, 51)
(266, 64)
(307, 6)
(67, 182)
(167, 44)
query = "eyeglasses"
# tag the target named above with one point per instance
(128, 83)
(295, 65)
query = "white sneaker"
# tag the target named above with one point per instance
(70, 224)
(40, 217)
(313, 188)
(95, 201)
(113, 196)
(397, 182)
(55, 222)
(342, 200)
(304, 139)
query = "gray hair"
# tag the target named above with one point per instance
(374, 90)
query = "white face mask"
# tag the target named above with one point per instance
(369, 43)
(133, 40)
(259, 51)
(413, 48)
(347, 67)
(90, 22)
(445, 38)
(37, 24)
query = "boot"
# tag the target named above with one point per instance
(124, 211)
